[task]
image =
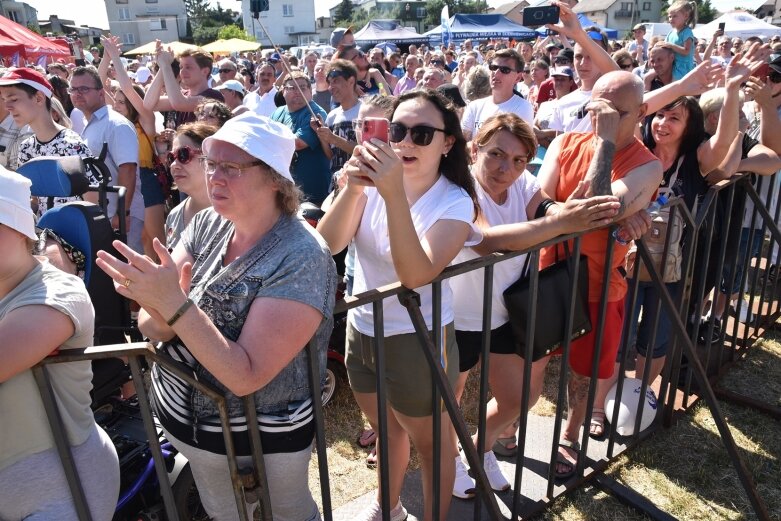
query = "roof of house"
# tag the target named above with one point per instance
(588, 6)
(508, 7)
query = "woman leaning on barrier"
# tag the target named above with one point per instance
(33, 293)
(512, 217)
(263, 285)
(409, 206)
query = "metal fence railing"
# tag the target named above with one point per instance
(687, 364)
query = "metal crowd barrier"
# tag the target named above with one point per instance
(683, 343)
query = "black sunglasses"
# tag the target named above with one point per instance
(421, 135)
(225, 71)
(183, 155)
(501, 68)
(436, 62)
(774, 76)
(336, 74)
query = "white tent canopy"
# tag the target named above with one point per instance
(738, 24)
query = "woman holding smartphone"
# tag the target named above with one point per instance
(409, 205)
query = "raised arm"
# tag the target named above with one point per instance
(153, 99)
(340, 222)
(145, 115)
(178, 101)
(767, 106)
(569, 27)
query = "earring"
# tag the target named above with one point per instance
(445, 154)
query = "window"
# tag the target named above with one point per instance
(626, 6)
(157, 24)
(129, 39)
(121, 1)
(290, 29)
(646, 6)
(124, 13)
(287, 9)
(420, 12)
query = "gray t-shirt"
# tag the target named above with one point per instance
(174, 225)
(290, 262)
(24, 427)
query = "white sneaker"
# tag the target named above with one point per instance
(374, 512)
(495, 477)
(464, 485)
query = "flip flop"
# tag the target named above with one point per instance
(501, 447)
(598, 421)
(560, 459)
(371, 458)
(367, 438)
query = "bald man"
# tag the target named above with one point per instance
(614, 162)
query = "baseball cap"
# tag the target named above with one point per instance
(452, 93)
(15, 211)
(775, 62)
(275, 57)
(29, 77)
(233, 85)
(338, 34)
(271, 142)
(563, 71)
(143, 74)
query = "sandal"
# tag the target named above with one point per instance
(371, 458)
(502, 447)
(367, 438)
(597, 428)
(561, 460)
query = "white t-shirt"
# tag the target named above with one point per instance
(545, 113)
(374, 264)
(774, 181)
(564, 118)
(263, 105)
(480, 110)
(468, 288)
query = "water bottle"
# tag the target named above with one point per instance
(621, 235)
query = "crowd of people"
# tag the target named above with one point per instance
(490, 148)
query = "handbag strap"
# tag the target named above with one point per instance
(674, 177)
(151, 145)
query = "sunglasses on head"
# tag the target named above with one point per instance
(421, 135)
(183, 155)
(336, 74)
(501, 68)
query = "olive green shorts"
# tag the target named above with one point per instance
(408, 379)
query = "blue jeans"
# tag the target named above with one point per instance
(640, 333)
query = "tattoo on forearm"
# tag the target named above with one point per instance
(599, 171)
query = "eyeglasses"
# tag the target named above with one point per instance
(183, 155)
(627, 65)
(436, 62)
(526, 71)
(82, 90)
(225, 71)
(421, 135)
(501, 68)
(229, 170)
(292, 87)
(336, 74)
(774, 76)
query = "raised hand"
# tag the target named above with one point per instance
(568, 25)
(701, 79)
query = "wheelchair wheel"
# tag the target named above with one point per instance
(188, 502)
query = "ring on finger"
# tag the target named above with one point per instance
(126, 283)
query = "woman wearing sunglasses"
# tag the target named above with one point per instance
(188, 174)
(409, 207)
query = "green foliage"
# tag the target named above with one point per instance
(344, 12)
(434, 9)
(234, 31)
(206, 21)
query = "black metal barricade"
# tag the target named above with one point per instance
(684, 364)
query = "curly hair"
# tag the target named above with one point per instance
(455, 164)
(478, 83)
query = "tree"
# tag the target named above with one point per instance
(234, 31)
(344, 11)
(205, 22)
(434, 9)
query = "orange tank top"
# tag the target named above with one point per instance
(574, 160)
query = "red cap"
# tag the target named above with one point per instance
(29, 77)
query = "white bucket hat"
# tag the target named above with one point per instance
(271, 142)
(15, 211)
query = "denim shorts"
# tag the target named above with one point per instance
(642, 331)
(150, 188)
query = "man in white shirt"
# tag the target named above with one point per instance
(262, 100)
(506, 70)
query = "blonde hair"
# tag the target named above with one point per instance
(687, 7)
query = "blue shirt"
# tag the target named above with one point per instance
(683, 63)
(310, 168)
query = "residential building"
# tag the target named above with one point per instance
(288, 22)
(411, 13)
(138, 22)
(324, 26)
(621, 15)
(512, 10)
(20, 12)
(55, 25)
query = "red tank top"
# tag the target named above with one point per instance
(574, 160)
